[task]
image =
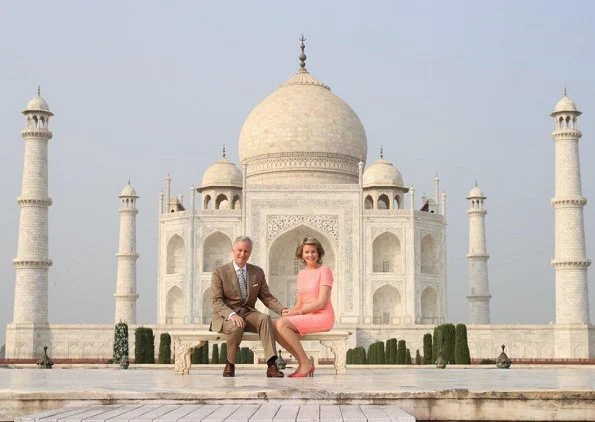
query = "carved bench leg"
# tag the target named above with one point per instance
(337, 347)
(182, 353)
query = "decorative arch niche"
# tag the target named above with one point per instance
(386, 254)
(216, 251)
(175, 255)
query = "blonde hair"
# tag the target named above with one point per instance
(313, 242)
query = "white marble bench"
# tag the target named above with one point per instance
(186, 341)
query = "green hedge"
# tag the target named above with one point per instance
(462, 356)
(427, 349)
(144, 345)
(120, 342)
(401, 349)
(164, 348)
(215, 354)
(391, 351)
(436, 343)
(448, 345)
(200, 355)
(223, 353)
(407, 357)
(418, 360)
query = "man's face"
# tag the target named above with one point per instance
(241, 253)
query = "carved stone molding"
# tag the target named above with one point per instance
(302, 161)
(39, 202)
(32, 263)
(182, 351)
(569, 202)
(563, 264)
(277, 223)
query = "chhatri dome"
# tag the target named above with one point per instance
(302, 132)
(222, 173)
(475, 192)
(128, 191)
(37, 103)
(566, 105)
(382, 173)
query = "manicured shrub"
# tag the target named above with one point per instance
(372, 354)
(359, 355)
(391, 351)
(223, 353)
(144, 345)
(407, 357)
(349, 357)
(120, 342)
(215, 354)
(462, 356)
(448, 343)
(401, 348)
(418, 360)
(436, 343)
(200, 355)
(164, 348)
(427, 349)
(244, 355)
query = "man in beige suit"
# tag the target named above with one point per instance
(235, 287)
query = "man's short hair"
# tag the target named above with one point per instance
(240, 239)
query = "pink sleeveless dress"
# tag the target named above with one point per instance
(308, 287)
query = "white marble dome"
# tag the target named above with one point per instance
(128, 191)
(382, 173)
(565, 105)
(302, 131)
(222, 173)
(37, 103)
(475, 193)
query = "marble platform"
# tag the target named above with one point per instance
(455, 393)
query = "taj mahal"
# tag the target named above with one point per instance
(302, 172)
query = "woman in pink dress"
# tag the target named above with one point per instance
(313, 311)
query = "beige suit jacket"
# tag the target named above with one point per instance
(226, 293)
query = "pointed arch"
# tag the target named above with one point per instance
(207, 202)
(429, 306)
(283, 266)
(429, 255)
(174, 311)
(175, 255)
(368, 203)
(387, 306)
(236, 204)
(216, 251)
(221, 203)
(397, 202)
(383, 203)
(207, 306)
(386, 254)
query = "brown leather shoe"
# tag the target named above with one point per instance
(230, 370)
(273, 372)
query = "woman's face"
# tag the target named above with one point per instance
(310, 255)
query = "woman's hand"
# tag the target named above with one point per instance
(290, 312)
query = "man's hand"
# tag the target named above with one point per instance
(238, 321)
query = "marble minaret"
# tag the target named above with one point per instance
(32, 262)
(570, 260)
(126, 295)
(479, 293)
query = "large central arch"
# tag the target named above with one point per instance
(283, 266)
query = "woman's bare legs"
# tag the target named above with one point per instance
(287, 335)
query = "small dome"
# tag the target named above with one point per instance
(382, 173)
(37, 103)
(566, 105)
(475, 193)
(128, 191)
(222, 173)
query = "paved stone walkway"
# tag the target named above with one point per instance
(224, 412)
(427, 393)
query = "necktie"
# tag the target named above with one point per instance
(242, 280)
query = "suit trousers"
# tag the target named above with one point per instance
(256, 322)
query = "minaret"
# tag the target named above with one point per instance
(479, 296)
(32, 262)
(570, 261)
(126, 279)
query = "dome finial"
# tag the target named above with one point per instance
(224, 151)
(303, 55)
(39, 90)
(565, 92)
(381, 153)
(476, 183)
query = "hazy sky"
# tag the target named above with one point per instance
(140, 89)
